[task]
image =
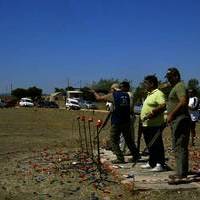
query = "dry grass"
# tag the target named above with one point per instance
(26, 129)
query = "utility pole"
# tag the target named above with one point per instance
(11, 88)
(68, 83)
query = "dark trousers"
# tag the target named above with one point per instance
(180, 140)
(156, 150)
(125, 129)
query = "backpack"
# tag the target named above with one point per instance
(121, 111)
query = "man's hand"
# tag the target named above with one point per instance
(148, 116)
(92, 90)
(169, 118)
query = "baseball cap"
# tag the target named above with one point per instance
(172, 71)
(125, 84)
(115, 86)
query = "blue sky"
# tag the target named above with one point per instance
(46, 43)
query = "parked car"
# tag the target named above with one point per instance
(2, 104)
(72, 104)
(11, 103)
(26, 102)
(47, 104)
(88, 105)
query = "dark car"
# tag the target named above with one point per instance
(88, 105)
(47, 104)
(11, 103)
(2, 103)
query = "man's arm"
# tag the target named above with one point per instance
(156, 111)
(102, 97)
(183, 102)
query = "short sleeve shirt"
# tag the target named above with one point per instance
(178, 91)
(109, 97)
(153, 100)
(194, 113)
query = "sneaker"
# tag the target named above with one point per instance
(131, 160)
(176, 176)
(158, 168)
(146, 166)
(134, 159)
(178, 181)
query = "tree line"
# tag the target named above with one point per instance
(103, 86)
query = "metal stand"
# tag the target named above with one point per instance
(85, 133)
(80, 135)
(90, 137)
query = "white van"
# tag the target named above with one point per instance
(26, 102)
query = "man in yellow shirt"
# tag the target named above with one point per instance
(152, 117)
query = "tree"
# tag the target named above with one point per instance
(69, 88)
(63, 91)
(194, 84)
(103, 85)
(87, 95)
(32, 92)
(139, 94)
(19, 93)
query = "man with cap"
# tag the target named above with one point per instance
(179, 119)
(125, 87)
(120, 121)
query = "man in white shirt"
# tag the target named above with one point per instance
(194, 114)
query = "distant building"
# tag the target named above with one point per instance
(74, 94)
(56, 96)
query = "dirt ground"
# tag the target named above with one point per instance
(40, 159)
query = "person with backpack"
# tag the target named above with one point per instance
(194, 113)
(120, 122)
(125, 87)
